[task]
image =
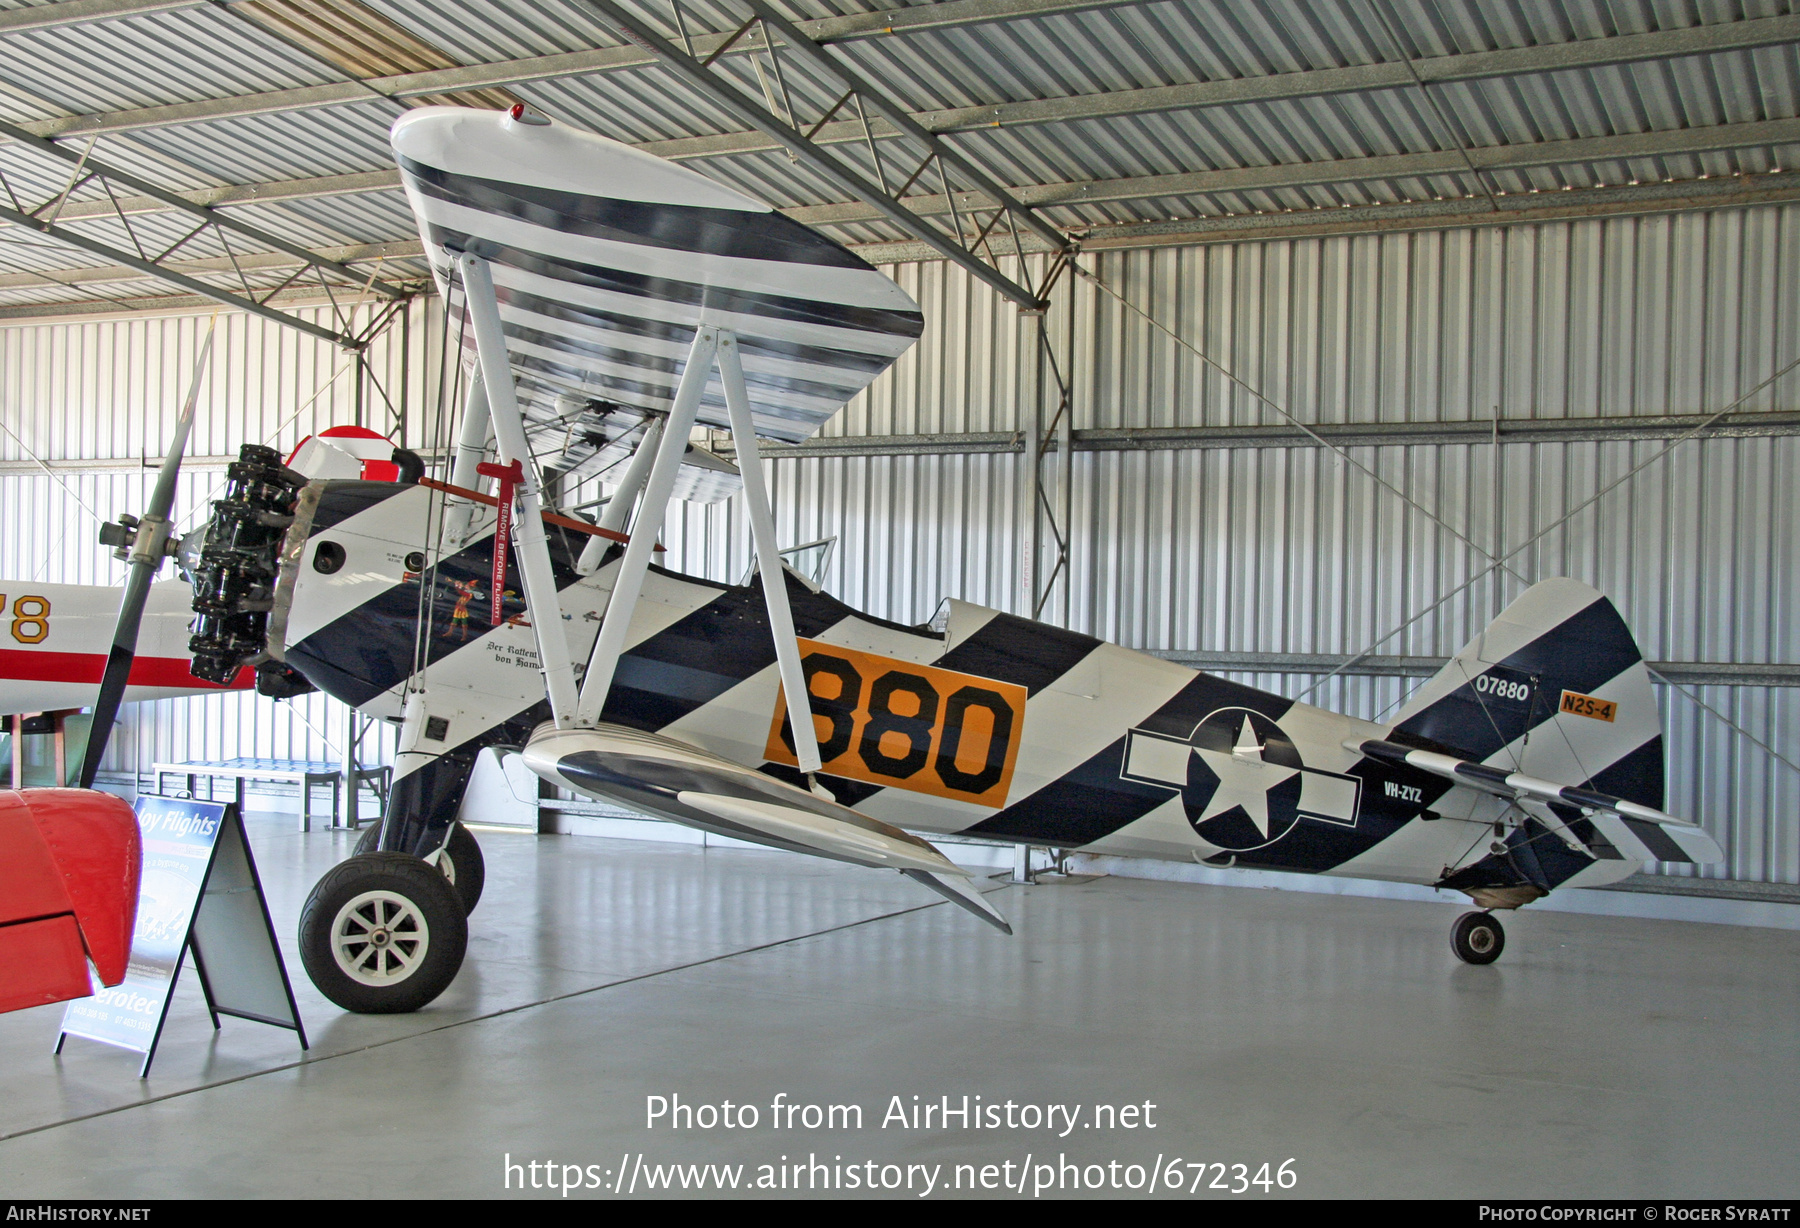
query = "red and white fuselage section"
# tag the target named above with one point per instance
(54, 640)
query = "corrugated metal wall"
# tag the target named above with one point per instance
(1300, 550)
(1266, 549)
(107, 392)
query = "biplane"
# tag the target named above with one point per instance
(605, 304)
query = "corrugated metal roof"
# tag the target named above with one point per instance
(209, 52)
(153, 60)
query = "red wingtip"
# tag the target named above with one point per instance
(517, 111)
(93, 839)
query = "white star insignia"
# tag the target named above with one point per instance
(1245, 779)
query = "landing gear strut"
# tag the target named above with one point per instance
(1477, 938)
(460, 861)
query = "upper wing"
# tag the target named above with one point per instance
(606, 261)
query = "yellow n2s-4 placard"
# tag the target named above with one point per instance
(1577, 704)
(906, 726)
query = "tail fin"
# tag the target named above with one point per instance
(1555, 687)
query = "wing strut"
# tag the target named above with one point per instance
(471, 446)
(628, 584)
(712, 348)
(510, 442)
(618, 511)
(768, 557)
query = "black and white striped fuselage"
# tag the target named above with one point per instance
(988, 725)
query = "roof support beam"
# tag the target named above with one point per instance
(1666, 143)
(192, 285)
(996, 196)
(1192, 183)
(951, 14)
(206, 214)
(1591, 53)
(252, 262)
(238, 194)
(152, 305)
(1645, 200)
(693, 70)
(1553, 57)
(80, 12)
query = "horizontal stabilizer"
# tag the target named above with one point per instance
(961, 892)
(1666, 837)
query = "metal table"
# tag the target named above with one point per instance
(307, 774)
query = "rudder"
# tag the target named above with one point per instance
(1554, 687)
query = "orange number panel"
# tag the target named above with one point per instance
(906, 726)
(1577, 704)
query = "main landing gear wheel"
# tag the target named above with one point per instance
(382, 933)
(461, 862)
(1477, 938)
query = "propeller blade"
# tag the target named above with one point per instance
(145, 561)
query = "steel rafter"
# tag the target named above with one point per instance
(179, 203)
(1712, 138)
(1641, 201)
(697, 73)
(81, 12)
(875, 100)
(885, 23)
(44, 219)
(194, 285)
(1576, 54)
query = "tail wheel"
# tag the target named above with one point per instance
(382, 933)
(460, 861)
(1477, 938)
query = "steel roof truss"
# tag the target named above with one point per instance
(1587, 53)
(191, 284)
(220, 221)
(816, 57)
(784, 130)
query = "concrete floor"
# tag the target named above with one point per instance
(1602, 1057)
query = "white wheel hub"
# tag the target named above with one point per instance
(379, 938)
(1481, 940)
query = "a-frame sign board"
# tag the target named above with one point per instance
(199, 892)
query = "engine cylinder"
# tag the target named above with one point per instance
(234, 583)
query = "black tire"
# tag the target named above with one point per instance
(461, 863)
(1477, 938)
(416, 934)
